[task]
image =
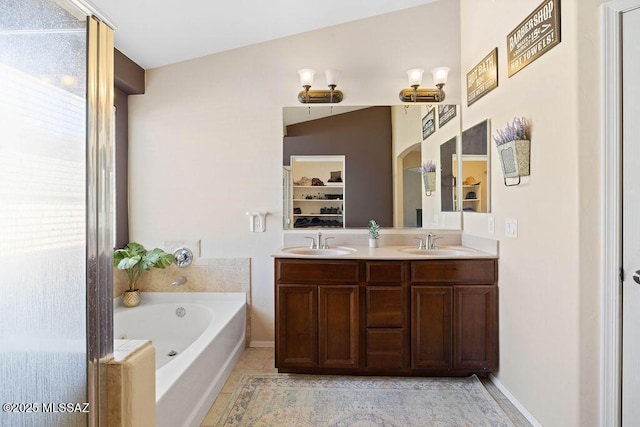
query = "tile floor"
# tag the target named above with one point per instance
(260, 361)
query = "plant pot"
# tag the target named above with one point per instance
(514, 157)
(131, 298)
(373, 243)
(429, 180)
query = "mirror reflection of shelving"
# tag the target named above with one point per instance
(471, 197)
(474, 177)
(320, 205)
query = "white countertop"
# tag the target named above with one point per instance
(390, 252)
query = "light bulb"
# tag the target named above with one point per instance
(440, 75)
(415, 76)
(306, 76)
(332, 77)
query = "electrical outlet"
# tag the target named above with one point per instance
(511, 228)
(491, 225)
(258, 225)
(257, 222)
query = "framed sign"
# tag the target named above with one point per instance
(482, 78)
(428, 123)
(446, 112)
(536, 35)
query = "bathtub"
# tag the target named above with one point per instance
(198, 338)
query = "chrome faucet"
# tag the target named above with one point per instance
(179, 281)
(325, 245)
(431, 241)
(313, 242)
(319, 244)
(420, 242)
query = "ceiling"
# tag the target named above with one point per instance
(154, 33)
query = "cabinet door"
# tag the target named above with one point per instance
(338, 326)
(431, 327)
(296, 326)
(475, 327)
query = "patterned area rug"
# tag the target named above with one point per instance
(309, 400)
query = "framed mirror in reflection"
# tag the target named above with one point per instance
(475, 169)
(383, 148)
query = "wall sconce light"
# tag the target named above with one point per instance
(331, 96)
(414, 94)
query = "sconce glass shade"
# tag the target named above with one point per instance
(332, 77)
(440, 75)
(308, 96)
(415, 76)
(306, 76)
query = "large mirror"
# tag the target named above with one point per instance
(346, 165)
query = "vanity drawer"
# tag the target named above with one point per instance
(467, 271)
(385, 306)
(384, 272)
(385, 348)
(316, 271)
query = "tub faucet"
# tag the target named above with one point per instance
(179, 281)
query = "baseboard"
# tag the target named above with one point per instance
(515, 402)
(262, 344)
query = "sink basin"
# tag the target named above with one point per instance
(435, 252)
(337, 251)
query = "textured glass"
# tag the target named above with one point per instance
(42, 213)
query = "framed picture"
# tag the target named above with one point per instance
(533, 37)
(446, 112)
(428, 123)
(483, 78)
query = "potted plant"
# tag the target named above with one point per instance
(134, 259)
(374, 233)
(428, 171)
(513, 144)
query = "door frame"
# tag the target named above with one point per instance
(611, 211)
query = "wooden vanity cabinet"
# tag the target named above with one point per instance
(317, 314)
(422, 317)
(386, 308)
(454, 324)
(431, 328)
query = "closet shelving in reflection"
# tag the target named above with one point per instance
(320, 205)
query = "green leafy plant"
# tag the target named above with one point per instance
(134, 259)
(374, 229)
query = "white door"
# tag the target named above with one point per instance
(631, 219)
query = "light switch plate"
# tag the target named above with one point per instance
(511, 228)
(491, 225)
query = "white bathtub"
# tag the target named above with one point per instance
(208, 340)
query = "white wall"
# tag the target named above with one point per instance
(206, 138)
(549, 288)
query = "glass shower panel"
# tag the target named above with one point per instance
(43, 356)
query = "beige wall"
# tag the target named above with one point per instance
(549, 275)
(206, 139)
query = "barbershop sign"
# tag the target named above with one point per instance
(537, 34)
